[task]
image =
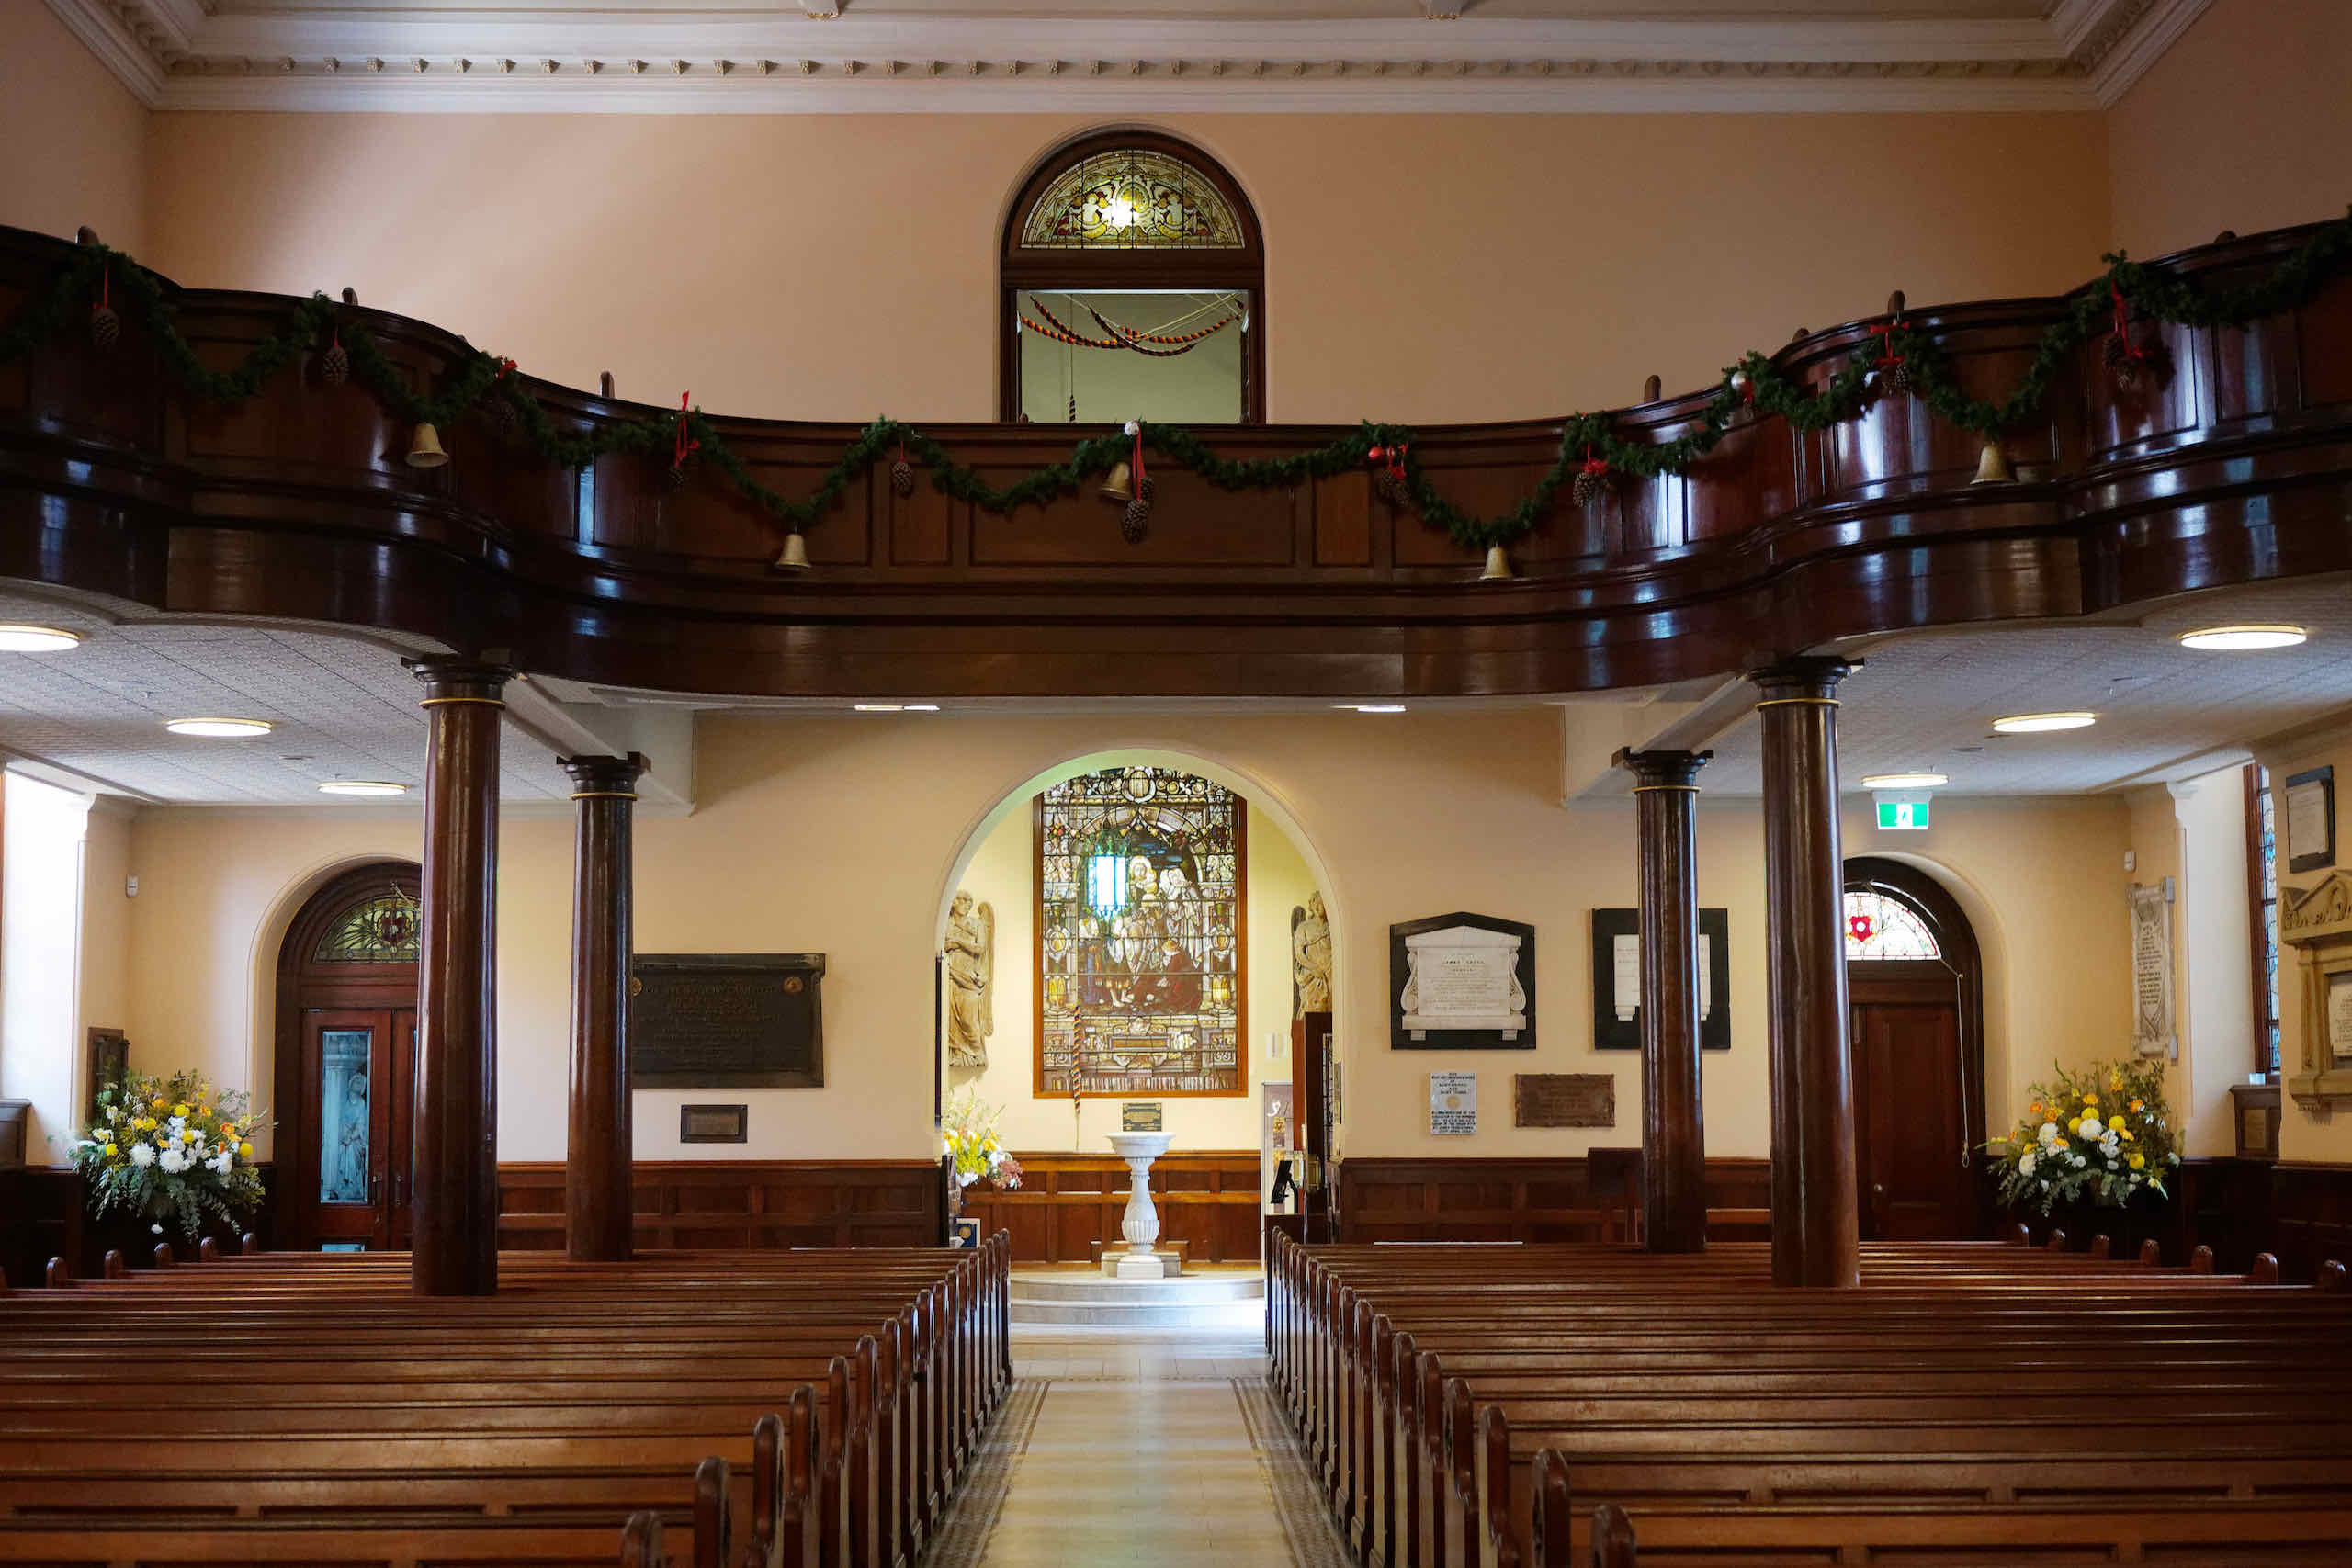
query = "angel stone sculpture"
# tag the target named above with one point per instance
(1310, 957)
(971, 968)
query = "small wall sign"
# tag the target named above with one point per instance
(714, 1123)
(1454, 1104)
(1141, 1116)
(1564, 1099)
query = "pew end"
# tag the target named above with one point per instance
(165, 1258)
(1613, 1538)
(2152, 1253)
(2330, 1277)
(207, 1251)
(2102, 1247)
(57, 1275)
(641, 1542)
(248, 1245)
(2202, 1260)
(112, 1265)
(2265, 1269)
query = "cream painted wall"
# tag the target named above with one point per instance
(75, 139)
(1003, 873)
(1420, 267)
(42, 830)
(2306, 1134)
(846, 836)
(2194, 832)
(2243, 124)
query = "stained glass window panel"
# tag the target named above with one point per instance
(1141, 965)
(383, 929)
(344, 1077)
(1131, 199)
(1877, 927)
(2266, 849)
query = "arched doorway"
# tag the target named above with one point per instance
(1914, 989)
(347, 1061)
(1134, 277)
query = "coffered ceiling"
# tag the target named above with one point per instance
(1129, 56)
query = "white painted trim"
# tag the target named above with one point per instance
(116, 47)
(736, 95)
(2137, 53)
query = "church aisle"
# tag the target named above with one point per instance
(1123, 1449)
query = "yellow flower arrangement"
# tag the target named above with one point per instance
(198, 1165)
(2065, 1149)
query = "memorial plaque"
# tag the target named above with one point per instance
(1617, 980)
(1462, 982)
(2151, 983)
(1140, 1116)
(726, 1020)
(1564, 1099)
(714, 1123)
(2339, 1017)
(1453, 1104)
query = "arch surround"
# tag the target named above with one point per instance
(1013, 797)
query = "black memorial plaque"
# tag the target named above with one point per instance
(726, 1020)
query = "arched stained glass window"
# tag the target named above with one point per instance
(1878, 927)
(1142, 967)
(383, 929)
(1135, 198)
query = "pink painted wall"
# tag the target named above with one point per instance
(2244, 124)
(1422, 268)
(71, 139)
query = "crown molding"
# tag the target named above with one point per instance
(2137, 41)
(184, 55)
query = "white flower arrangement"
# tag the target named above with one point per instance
(2104, 1133)
(173, 1148)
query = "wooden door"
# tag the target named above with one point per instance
(1911, 1156)
(358, 1079)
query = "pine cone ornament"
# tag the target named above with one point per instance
(902, 476)
(1392, 489)
(334, 365)
(1136, 520)
(1150, 489)
(106, 327)
(1588, 486)
(1896, 376)
(503, 417)
(674, 475)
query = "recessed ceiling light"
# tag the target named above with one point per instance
(923, 708)
(1903, 781)
(1377, 707)
(896, 707)
(361, 786)
(2237, 639)
(218, 728)
(2041, 723)
(36, 639)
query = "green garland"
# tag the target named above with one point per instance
(476, 382)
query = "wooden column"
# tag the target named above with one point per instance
(1674, 1144)
(1816, 1236)
(455, 1208)
(596, 1204)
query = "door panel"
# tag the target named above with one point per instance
(345, 1068)
(1910, 1121)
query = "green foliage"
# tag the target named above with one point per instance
(170, 1148)
(475, 381)
(2104, 1132)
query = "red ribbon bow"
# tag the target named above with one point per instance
(506, 368)
(1139, 485)
(2123, 324)
(1594, 465)
(1397, 461)
(686, 444)
(1884, 332)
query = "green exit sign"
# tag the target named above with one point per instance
(1897, 814)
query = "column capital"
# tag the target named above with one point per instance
(597, 776)
(460, 680)
(1804, 679)
(1662, 770)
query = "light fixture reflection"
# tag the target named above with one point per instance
(218, 728)
(37, 639)
(361, 786)
(1904, 781)
(2042, 723)
(2240, 640)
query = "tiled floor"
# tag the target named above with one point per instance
(1138, 1448)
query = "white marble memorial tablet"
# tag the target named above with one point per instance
(1462, 977)
(2339, 1017)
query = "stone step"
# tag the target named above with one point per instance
(1187, 1290)
(1240, 1317)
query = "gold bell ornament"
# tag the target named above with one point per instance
(1118, 485)
(424, 449)
(795, 553)
(1992, 465)
(1498, 565)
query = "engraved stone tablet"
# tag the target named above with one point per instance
(726, 1019)
(1564, 1099)
(1464, 982)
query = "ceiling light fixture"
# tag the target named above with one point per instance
(1904, 781)
(897, 707)
(2042, 723)
(1377, 707)
(218, 728)
(37, 639)
(2239, 639)
(361, 786)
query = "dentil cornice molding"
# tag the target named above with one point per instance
(814, 56)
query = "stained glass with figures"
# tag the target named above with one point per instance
(1141, 946)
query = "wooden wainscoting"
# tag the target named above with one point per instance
(1068, 1202)
(713, 1204)
(1571, 1199)
(2311, 1216)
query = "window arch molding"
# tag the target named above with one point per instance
(1241, 269)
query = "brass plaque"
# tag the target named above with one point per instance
(1564, 1099)
(1140, 1116)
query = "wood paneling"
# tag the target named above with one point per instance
(2233, 467)
(2311, 1215)
(721, 1203)
(1571, 1199)
(1065, 1203)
